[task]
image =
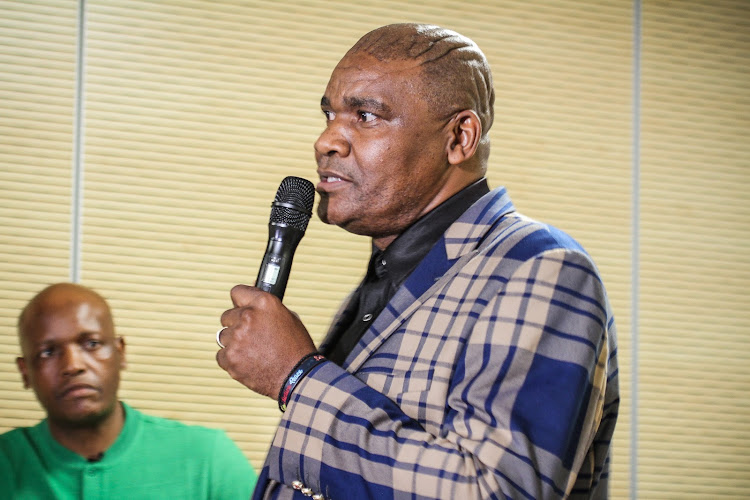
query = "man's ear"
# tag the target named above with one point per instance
(21, 364)
(465, 132)
(121, 347)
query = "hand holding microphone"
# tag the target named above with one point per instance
(263, 339)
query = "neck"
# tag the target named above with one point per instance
(460, 181)
(90, 441)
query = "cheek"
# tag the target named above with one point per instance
(386, 167)
(104, 353)
(109, 363)
(384, 158)
(43, 379)
(372, 156)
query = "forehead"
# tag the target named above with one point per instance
(59, 318)
(360, 75)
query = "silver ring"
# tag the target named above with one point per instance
(218, 336)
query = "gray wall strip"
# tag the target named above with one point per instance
(635, 248)
(77, 167)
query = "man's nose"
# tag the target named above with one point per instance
(332, 141)
(72, 359)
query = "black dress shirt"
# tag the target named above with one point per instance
(390, 267)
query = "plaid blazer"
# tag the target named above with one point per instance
(491, 373)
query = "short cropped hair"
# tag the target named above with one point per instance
(455, 72)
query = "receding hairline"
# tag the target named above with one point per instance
(45, 298)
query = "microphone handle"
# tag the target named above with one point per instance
(277, 261)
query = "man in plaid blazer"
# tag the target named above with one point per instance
(489, 368)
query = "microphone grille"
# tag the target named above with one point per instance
(293, 203)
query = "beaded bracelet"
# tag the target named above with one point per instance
(299, 371)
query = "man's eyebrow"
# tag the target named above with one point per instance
(367, 103)
(359, 102)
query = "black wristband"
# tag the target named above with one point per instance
(299, 371)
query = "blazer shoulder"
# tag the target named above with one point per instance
(521, 238)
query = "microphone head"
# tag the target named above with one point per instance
(293, 203)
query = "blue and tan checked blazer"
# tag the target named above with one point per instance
(491, 373)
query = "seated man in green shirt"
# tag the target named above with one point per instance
(91, 445)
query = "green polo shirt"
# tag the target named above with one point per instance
(152, 458)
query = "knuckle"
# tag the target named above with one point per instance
(225, 316)
(246, 315)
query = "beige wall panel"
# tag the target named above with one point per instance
(37, 87)
(694, 425)
(196, 110)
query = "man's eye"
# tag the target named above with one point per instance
(366, 116)
(47, 352)
(91, 344)
(328, 114)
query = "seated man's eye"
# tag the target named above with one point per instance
(92, 344)
(47, 352)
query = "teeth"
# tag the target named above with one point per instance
(333, 179)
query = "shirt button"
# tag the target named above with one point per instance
(367, 317)
(307, 492)
(297, 485)
(318, 496)
(382, 262)
(92, 472)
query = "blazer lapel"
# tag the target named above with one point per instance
(460, 243)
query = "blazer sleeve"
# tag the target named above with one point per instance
(523, 406)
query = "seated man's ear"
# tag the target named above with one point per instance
(120, 344)
(21, 364)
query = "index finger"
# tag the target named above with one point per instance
(242, 295)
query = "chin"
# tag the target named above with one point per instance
(338, 213)
(88, 420)
(86, 416)
(326, 217)
(322, 210)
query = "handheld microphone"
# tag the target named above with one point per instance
(290, 213)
